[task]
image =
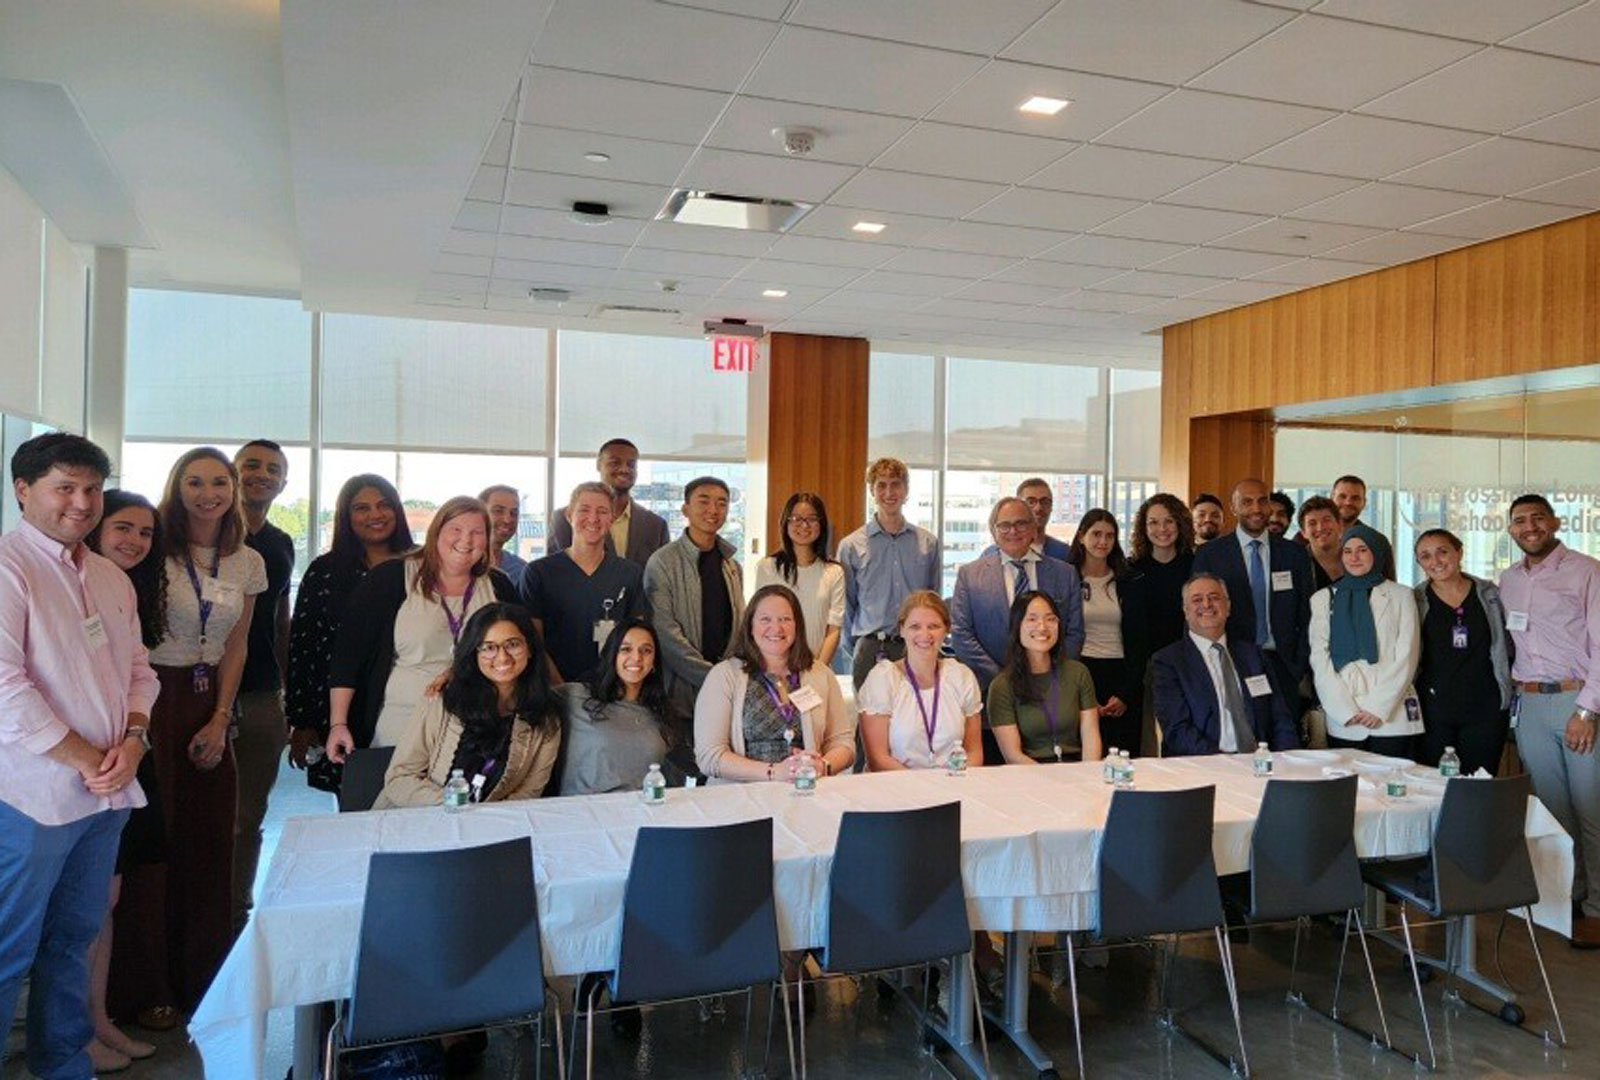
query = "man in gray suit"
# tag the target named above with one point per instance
(636, 533)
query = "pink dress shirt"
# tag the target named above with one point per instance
(1561, 598)
(53, 678)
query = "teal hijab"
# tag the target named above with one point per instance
(1352, 635)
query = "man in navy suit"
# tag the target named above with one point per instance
(1269, 584)
(1215, 693)
(980, 615)
(1040, 497)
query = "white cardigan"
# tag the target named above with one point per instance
(1381, 688)
(719, 713)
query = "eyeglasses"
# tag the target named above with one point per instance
(514, 647)
(1013, 526)
(805, 522)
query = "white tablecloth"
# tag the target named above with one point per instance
(1029, 843)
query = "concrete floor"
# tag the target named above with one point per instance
(855, 1034)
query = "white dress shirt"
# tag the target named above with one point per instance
(1227, 740)
(1030, 562)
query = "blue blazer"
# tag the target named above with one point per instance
(980, 614)
(1055, 549)
(1186, 699)
(1289, 610)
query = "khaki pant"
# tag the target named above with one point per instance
(258, 751)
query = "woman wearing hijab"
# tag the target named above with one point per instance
(1365, 644)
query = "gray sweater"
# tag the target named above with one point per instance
(1499, 640)
(672, 581)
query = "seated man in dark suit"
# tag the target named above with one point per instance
(1269, 584)
(1215, 693)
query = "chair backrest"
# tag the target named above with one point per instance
(895, 896)
(1480, 850)
(363, 778)
(1303, 851)
(449, 940)
(1156, 871)
(697, 913)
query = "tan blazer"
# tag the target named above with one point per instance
(421, 764)
(719, 713)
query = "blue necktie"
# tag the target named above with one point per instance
(1258, 591)
(1023, 584)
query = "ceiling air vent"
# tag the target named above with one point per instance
(748, 212)
(550, 294)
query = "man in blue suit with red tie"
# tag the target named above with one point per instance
(980, 614)
(1214, 693)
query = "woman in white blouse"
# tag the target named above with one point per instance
(803, 565)
(916, 710)
(1365, 643)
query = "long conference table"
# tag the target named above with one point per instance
(1029, 843)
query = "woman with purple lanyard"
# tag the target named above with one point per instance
(915, 711)
(401, 626)
(212, 582)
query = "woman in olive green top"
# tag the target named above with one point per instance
(1042, 705)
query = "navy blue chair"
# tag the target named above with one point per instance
(362, 780)
(449, 944)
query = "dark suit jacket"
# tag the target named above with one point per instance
(1055, 549)
(980, 614)
(1186, 699)
(1289, 610)
(647, 534)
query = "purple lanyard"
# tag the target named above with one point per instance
(194, 579)
(786, 710)
(929, 722)
(452, 621)
(1052, 706)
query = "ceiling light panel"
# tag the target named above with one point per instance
(989, 100)
(1043, 106)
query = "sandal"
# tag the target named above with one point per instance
(158, 1018)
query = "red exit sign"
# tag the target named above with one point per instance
(734, 353)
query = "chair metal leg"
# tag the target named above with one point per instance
(977, 1012)
(329, 1058)
(1166, 977)
(744, 1045)
(800, 1000)
(1372, 977)
(1077, 1023)
(1416, 982)
(1533, 939)
(1233, 995)
(788, 1024)
(1338, 975)
(1294, 963)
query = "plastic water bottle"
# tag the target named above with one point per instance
(456, 791)
(654, 789)
(1108, 769)
(1124, 770)
(1262, 760)
(805, 777)
(956, 763)
(1395, 787)
(1449, 764)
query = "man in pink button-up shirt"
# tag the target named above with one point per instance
(1552, 602)
(75, 697)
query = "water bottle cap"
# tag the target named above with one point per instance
(462, 773)
(1449, 749)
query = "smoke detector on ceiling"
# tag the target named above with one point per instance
(591, 213)
(797, 141)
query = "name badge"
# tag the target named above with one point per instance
(94, 628)
(1282, 580)
(805, 699)
(1257, 685)
(1516, 620)
(1413, 709)
(217, 591)
(602, 631)
(1458, 636)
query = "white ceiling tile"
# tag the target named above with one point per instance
(1073, 317)
(1577, 127)
(867, 300)
(971, 153)
(1393, 248)
(488, 184)
(1219, 262)
(985, 239)
(1129, 174)
(558, 225)
(1498, 218)
(1182, 224)
(659, 42)
(670, 263)
(1313, 271)
(648, 281)
(1493, 91)
(709, 239)
(558, 192)
(1575, 34)
(1260, 190)
(1117, 251)
(895, 281)
(756, 9)
(513, 275)
(1099, 299)
(1501, 166)
(812, 275)
(990, 99)
(1388, 206)
(498, 152)
(1365, 146)
(1580, 190)
(943, 24)
(1478, 20)
(1371, 60)
(1291, 236)
(830, 252)
(949, 263)
(1155, 283)
(478, 217)
(975, 309)
(475, 265)
(732, 172)
(1244, 292)
(460, 287)
(462, 242)
(839, 222)
(748, 288)
(539, 250)
(854, 138)
(1054, 275)
(858, 73)
(561, 150)
(1168, 41)
(1052, 209)
(934, 196)
(1203, 124)
(602, 103)
(1178, 310)
(1008, 292)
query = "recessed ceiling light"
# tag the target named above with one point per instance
(774, 294)
(597, 157)
(1299, 236)
(869, 227)
(1043, 106)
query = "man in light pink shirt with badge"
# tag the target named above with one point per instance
(75, 698)
(1552, 602)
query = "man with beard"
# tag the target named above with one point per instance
(635, 533)
(1207, 511)
(1281, 516)
(505, 512)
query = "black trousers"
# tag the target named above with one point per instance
(1390, 745)
(1125, 732)
(868, 651)
(1479, 740)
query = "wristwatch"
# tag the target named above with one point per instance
(1586, 714)
(140, 732)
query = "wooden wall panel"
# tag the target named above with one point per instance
(1226, 449)
(817, 426)
(1177, 343)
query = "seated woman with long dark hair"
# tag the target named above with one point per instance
(496, 720)
(615, 727)
(1042, 705)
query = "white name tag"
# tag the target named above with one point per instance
(1282, 580)
(602, 631)
(805, 699)
(1257, 685)
(217, 591)
(1516, 620)
(94, 628)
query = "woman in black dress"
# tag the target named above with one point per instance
(1162, 544)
